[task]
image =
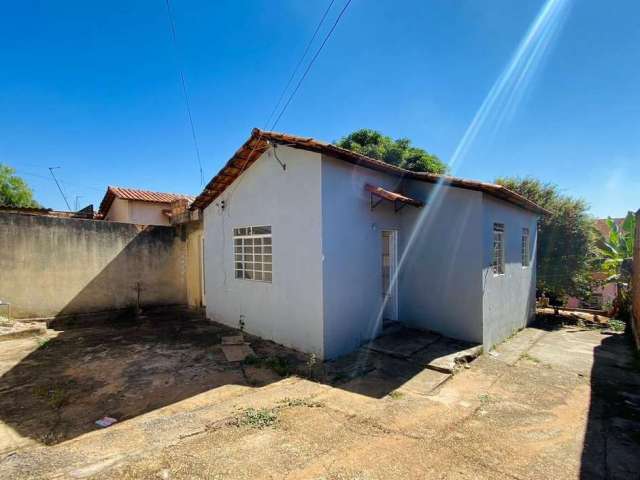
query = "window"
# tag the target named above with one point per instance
(526, 253)
(252, 253)
(497, 262)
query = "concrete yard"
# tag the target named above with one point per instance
(552, 402)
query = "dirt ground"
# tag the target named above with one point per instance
(551, 402)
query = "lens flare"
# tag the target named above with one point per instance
(498, 106)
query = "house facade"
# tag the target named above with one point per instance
(317, 247)
(142, 207)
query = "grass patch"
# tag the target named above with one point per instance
(300, 402)
(278, 364)
(617, 325)
(256, 418)
(396, 395)
(43, 342)
(55, 396)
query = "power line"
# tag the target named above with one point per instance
(63, 182)
(304, 75)
(295, 70)
(184, 89)
(326, 38)
(51, 169)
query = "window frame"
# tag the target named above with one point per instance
(246, 242)
(498, 249)
(525, 248)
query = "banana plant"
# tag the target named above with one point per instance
(615, 253)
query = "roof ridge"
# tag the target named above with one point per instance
(260, 141)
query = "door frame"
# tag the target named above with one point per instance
(393, 280)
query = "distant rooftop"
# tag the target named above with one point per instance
(140, 196)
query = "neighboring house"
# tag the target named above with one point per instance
(128, 205)
(314, 246)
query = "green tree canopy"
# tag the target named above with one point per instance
(14, 191)
(565, 238)
(398, 152)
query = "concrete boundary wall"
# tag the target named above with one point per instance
(53, 267)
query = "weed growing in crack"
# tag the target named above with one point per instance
(484, 398)
(256, 418)
(531, 358)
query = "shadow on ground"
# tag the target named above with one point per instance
(55, 387)
(61, 385)
(612, 438)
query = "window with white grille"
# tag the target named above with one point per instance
(526, 250)
(252, 253)
(497, 261)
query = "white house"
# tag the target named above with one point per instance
(315, 247)
(131, 205)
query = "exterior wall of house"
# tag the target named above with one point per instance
(119, 211)
(288, 310)
(351, 242)
(508, 299)
(440, 277)
(140, 213)
(441, 265)
(148, 213)
(193, 263)
(55, 267)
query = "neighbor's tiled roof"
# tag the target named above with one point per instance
(602, 225)
(138, 195)
(260, 141)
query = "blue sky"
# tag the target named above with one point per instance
(92, 87)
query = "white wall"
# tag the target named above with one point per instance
(509, 299)
(440, 279)
(148, 213)
(119, 211)
(288, 310)
(351, 239)
(140, 213)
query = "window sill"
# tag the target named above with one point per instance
(251, 280)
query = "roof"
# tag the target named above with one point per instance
(392, 196)
(602, 225)
(260, 141)
(138, 195)
(47, 212)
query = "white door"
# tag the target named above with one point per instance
(389, 283)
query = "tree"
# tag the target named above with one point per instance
(398, 152)
(565, 238)
(14, 191)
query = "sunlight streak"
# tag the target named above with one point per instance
(498, 106)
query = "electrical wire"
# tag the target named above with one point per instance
(184, 90)
(304, 75)
(295, 70)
